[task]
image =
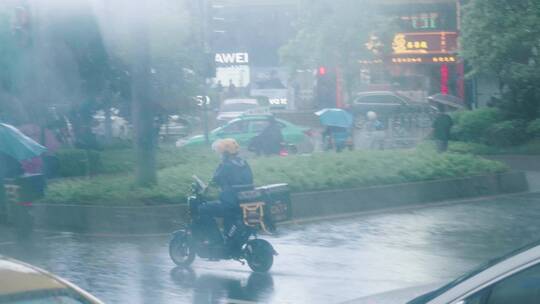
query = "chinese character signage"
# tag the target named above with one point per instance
(424, 43)
(422, 21)
(423, 59)
(424, 17)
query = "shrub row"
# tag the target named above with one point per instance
(490, 126)
(303, 173)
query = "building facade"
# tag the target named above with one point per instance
(424, 51)
(245, 37)
(423, 61)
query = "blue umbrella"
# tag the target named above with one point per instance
(17, 145)
(335, 118)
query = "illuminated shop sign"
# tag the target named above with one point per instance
(424, 59)
(444, 59)
(278, 101)
(408, 60)
(232, 58)
(277, 98)
(422, 17)
(422, 21)
(367, 62)
(233, 68)
(425, 43)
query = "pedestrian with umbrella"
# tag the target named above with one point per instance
(338, 124)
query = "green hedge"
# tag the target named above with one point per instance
(530, 148)
(533, 128)
(72, 162)
(76, 162)
(507, 133)
(303, 173)
(492, 127)
(473, 126)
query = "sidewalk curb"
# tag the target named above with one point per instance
(398, 209)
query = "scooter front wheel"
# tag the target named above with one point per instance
(259, 255)
(181, 250)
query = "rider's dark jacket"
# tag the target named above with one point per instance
(233, 175)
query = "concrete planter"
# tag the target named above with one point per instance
(148, 219)
(324, 203)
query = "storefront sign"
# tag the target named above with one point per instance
(444, 59)
(425, 43)
(233, 68)
(422, 21)
(408, 60)
(277, 98)
(424, 59)
(232, 58)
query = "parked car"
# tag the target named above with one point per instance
(22, 283)
(387, 104)
(246, 127)
(120, 127)
(176, 127)
(235, 107)
(513, 278)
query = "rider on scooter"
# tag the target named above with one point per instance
(233, 175)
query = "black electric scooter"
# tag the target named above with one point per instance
(202, 237)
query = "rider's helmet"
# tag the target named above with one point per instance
(227, 146)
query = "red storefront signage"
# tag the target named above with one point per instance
(444, 79)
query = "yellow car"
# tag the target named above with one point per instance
(21, 283)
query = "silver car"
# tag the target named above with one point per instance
(511, 279)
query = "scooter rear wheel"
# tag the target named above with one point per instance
(259, 255)
(181, 251)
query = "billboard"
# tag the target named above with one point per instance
(425, 43)
(233, 68)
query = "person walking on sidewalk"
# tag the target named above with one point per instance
(441, 129)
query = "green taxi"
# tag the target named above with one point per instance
(244, 128)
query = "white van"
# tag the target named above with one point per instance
(234, 107)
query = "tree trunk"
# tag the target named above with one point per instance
(108, 125)
(143, 111)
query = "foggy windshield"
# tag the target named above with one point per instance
(402, 139)
(238, 107)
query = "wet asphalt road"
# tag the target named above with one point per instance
(324, 262)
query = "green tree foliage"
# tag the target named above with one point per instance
(502, 38)
(8, 59)
(473, 126)
(81, 57)
(533, 129)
